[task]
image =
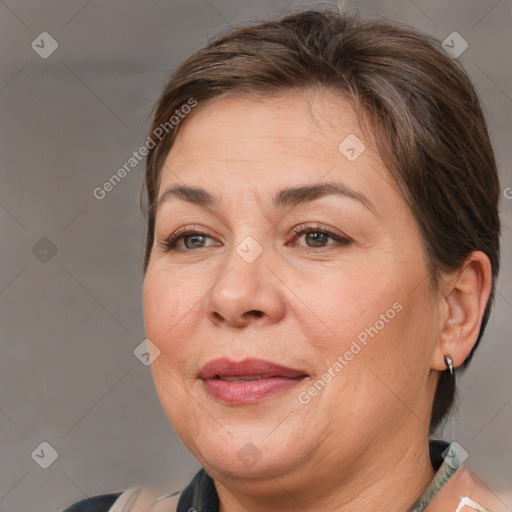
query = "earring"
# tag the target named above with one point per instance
(449, 362)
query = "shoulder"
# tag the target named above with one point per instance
(482, 495)
(136, 499)
(99, 503)
(145, 499)
(464, 492)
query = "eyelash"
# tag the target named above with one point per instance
(308, 228)
(169, 244)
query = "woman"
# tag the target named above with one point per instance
(321, 258)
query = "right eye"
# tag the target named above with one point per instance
(185, 239)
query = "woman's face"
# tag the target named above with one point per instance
(304, 256)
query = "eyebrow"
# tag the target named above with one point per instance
(287, 197)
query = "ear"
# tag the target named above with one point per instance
(464, 296)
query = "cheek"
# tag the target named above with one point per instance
(372, 317)
(171, 308)
(395, 356)
(346, 304)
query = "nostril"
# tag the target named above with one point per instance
(236, 319)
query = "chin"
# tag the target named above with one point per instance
(246, 451)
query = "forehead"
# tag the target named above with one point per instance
(242, 142)
(308, 122)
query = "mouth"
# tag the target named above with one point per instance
(245, 378)
(248, 381)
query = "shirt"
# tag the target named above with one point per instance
(453, 489)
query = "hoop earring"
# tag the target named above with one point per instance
(449, 362)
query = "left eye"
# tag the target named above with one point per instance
(318, 238)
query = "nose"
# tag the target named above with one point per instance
(245, 294)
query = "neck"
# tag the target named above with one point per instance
(390, 482)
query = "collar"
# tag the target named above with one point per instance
(446, 460)
(201, 495)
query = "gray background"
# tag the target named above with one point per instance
(71, 320)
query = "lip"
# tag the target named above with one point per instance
(272, 378)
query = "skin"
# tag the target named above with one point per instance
(302, 306)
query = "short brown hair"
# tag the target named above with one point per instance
(420, 104)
